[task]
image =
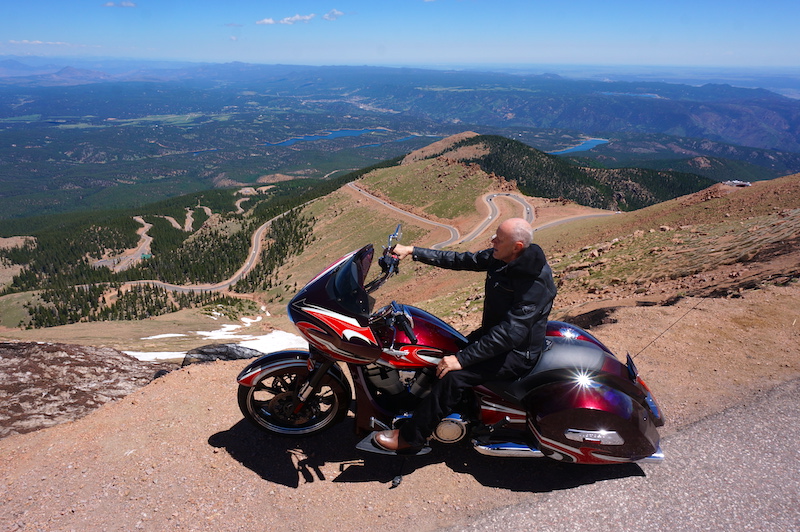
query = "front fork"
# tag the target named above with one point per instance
(311, 385)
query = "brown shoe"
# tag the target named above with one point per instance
(391, 440)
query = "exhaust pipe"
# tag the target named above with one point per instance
(521, 450)
(507, 449)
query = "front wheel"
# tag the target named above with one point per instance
(270, 404)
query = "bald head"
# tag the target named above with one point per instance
(512, 238)
(519, 230)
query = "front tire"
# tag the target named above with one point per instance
(269, 404)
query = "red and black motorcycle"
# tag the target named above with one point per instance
(578, 404)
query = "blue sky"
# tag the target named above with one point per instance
(436, 33)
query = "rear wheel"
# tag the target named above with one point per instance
(270, 404)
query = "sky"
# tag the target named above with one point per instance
(434, 33)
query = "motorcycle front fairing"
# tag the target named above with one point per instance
(332, 311)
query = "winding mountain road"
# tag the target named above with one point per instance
(256, 245)
(123, 262)
(252, 257)
(528, 214)
(454, 234)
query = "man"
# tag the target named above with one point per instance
(519, 293)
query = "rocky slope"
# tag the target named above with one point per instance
(42, 385)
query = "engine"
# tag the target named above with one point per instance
(396, 389)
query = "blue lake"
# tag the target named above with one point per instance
(586, 145)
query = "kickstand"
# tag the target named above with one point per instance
(399, 477)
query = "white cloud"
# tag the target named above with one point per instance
(298, 18)
(120, 4)
(267, 21)
(50, 43)
(333, 14)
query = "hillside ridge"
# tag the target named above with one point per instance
(540, 174)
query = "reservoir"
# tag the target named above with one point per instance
(586, 145)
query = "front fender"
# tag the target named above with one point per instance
(251, 374)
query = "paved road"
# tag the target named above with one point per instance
(454, 234)
(572, 219)
(737, 470)
(255, 248)
(255, 252)
(119, 264)
(527, 213)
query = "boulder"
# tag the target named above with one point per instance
(210, 353)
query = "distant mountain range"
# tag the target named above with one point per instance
(97, 135)
(748, 117)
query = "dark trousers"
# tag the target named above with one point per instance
(446, 393)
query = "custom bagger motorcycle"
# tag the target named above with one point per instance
(578, 404)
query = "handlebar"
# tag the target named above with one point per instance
(389, 262)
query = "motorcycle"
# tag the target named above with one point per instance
(578, 404)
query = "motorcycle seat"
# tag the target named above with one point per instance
(561, 357)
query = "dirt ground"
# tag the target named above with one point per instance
(177, 455)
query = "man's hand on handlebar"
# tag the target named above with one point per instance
(401, 251)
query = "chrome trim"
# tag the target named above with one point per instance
(507, 449)
(655, 458)
(376, 424)
(454, 422)
(603, 437)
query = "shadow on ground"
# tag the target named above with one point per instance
(290, 461)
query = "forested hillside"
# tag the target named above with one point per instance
(65, 281)
(60, 271)
(543, 175)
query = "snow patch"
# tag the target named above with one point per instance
(275, 341)
(153, 356)
(160, 336)
(268, 343)
(225, 333)
(249, 321)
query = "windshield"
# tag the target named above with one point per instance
(347, 284)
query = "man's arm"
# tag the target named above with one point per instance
(451, 260)
(506, 336)
(533, 302)
(402, 251)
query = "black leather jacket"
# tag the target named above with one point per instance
(519, 296)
